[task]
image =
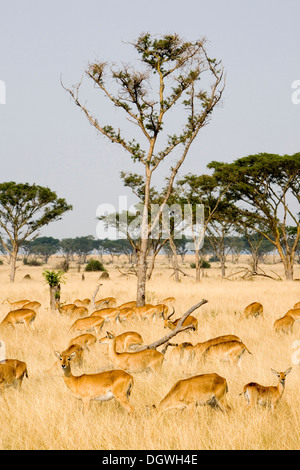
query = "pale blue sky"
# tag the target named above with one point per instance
(44, 138)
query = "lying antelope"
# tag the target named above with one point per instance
(138, 361)
(230, 351)
(102, 386)
(205, 389)
(12, 372)
(15, 305)
(284, 325)
(256, 394)
(187, 352)
(87, 324)
(126, 341)
(190, 322)
(21, 315)
(253, 310)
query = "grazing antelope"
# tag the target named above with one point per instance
(82, 303)
(79, 311)
(85, 340)
(297, 305)
(87, 324)
(126, 341)
(230, 351)
(126, 314)
(253, 310)
(284, 325)
(20, 369)
(130, 304)
(294, 313)
(256, 394)
(22, 315)
(102, 386)
(169, 301)
(106, 313)
(205, 389)
(138, 361)
(15, 305)
(145, 312)
(190, 322)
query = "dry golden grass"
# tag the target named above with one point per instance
(45, 415)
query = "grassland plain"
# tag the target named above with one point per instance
(44, 415)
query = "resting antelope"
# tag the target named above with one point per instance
(190, 322)
(102, 386)
(22, 315)
(87, 324)
(253, 310)
(15, 305)
(284, 325)
(205, 389)
(85, 340)
(188, 352)
(230, 351)
(125, 341)
(138, 361)
(256, 394)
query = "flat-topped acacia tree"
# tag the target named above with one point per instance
(168, 99)
(24, 210)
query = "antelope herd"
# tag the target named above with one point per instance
(128, 354)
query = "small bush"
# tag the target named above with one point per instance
(32, 262)
(94, 265)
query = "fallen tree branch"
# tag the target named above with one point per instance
(177, 330)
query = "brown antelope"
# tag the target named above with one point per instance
(138, 361)
(254, 310)
(22, 315)
(87, 324)
(65, 309)
(188, 352)
(106, 313)
(85, 340)
(294, 313)
(15, 305)
(145, 312)
(130, 304)
(20, 369)
(126, 314)
(205, 389)
(102, 386)
(230, 351)
(284, 325)
(34, 305)
(105, 303)
(256, 394)
(82, 303)
(126, 341)
(79, 311)
(78, 356)
(190, 322)
(297, 305)
(169, 301)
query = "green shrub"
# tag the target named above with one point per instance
(94, 265)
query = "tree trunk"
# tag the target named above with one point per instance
(174, 259)
(13, 261)
(54, 297)
(198, 266)
(223, 259)
(141, 274)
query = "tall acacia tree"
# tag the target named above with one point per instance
(265, 189)
(24, 210)
(174, 75)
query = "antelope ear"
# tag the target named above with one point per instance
(72, 355)
(275, 372)
(57, 354)
(288, 371)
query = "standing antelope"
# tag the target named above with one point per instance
(284, 325)
(253, 310)
(205, 389)
(230, 351)
(102, 386)
(256, 394)
(294, 313)
(85, 340)
(21, 315)
(138, 361)
(87, 324)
